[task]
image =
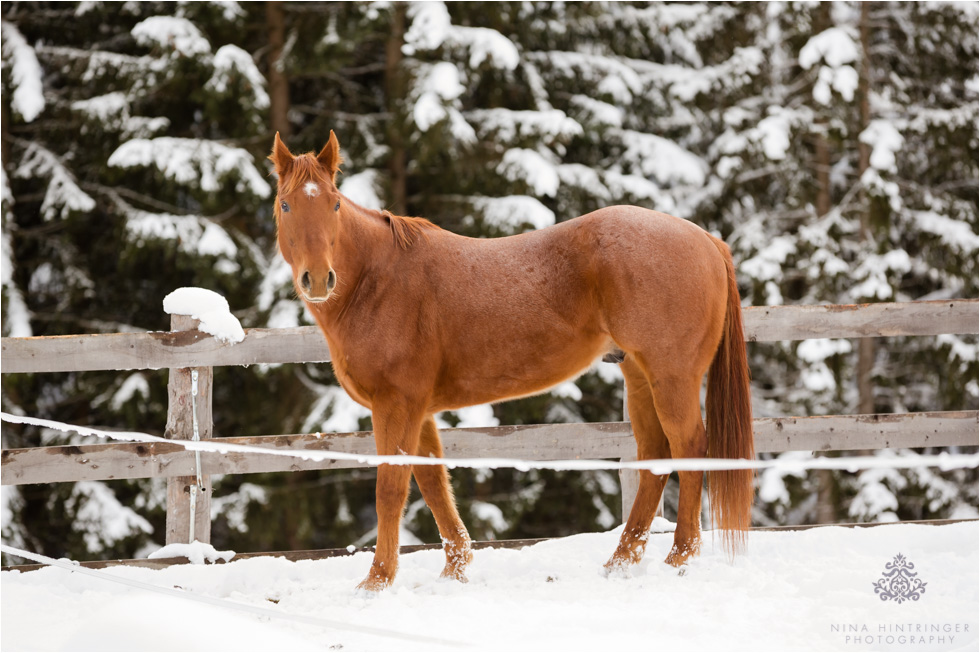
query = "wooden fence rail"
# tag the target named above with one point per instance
(113, 461)
(185, 348)
(168, 349)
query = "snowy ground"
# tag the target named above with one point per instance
(802, 590)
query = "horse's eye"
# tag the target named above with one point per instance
(284, 206)
(337, 208)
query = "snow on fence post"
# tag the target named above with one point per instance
(180, 426)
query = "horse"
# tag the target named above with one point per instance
(421, 320)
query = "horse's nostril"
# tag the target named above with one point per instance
(331, 280)
(305, 281)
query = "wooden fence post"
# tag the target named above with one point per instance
(180, 426)
(629, 481)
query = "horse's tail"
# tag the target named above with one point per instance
(729, 422)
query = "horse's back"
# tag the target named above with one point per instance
(640, 233)
(616, 261)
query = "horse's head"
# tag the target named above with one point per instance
(307, 213)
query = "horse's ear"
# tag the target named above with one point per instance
(281, 157)
(329, 157)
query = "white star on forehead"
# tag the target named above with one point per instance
(311, 189)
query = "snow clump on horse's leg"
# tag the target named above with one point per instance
(680, 554)
(627, 554)
(459, 554)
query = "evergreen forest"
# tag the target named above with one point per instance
(833, 146)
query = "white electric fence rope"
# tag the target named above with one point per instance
(199, 482)
(944, 461)
(75, 567)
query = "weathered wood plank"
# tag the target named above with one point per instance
(322, 554)
(536, 442)
(857, 432)
(930, 318)
(159, 350)
(138, 460)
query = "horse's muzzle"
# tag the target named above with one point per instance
(317, 288)
(315, 300)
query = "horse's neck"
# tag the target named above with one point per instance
(357, 242)
(363, 248)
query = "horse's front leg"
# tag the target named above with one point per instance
(433, 482)
(397, 425)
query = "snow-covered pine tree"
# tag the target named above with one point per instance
(133, 170)
(828, 203)
(917, 161)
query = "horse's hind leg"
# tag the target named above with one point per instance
(678, 405)
(433, 481)
(651, 442)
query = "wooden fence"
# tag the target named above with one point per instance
(185, 350)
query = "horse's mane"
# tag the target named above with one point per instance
(406, 230)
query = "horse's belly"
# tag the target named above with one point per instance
(516, 372)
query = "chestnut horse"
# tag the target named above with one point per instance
(421, 320)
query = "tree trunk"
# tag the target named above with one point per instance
(821, 147)
(826, 508)
(867, 347)
(275, 18)
(864, 104)
(4, 139)
(394, 100)
(822, 170)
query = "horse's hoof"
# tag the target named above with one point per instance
(456, 569)
(457, 560)
(454, 574)
(617, 569)
(681, 555)
(372, 586)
